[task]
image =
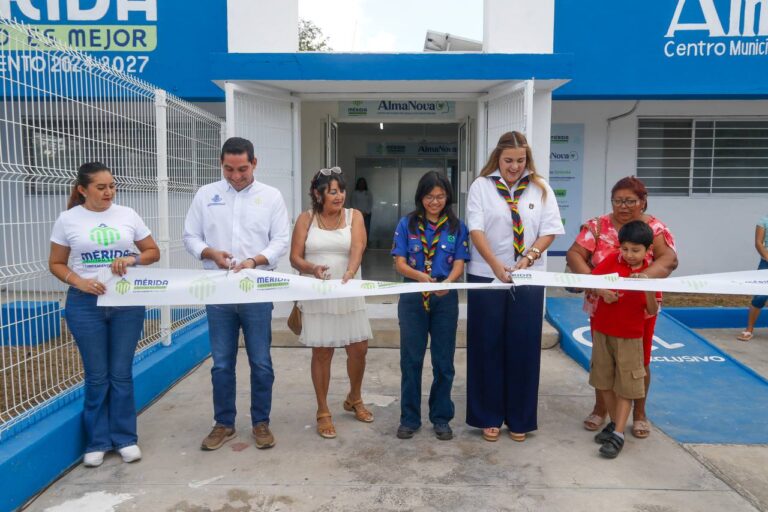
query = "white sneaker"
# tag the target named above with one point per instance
(93, 459)
(130, 453)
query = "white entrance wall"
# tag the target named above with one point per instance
(713, 233)
(518, 26)
(262, 26)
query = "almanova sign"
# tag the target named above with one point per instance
(704, 28)
(397, 108)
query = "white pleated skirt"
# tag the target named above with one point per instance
(338, 326)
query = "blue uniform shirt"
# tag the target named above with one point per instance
(450, 247)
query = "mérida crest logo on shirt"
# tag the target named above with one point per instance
(104, 235)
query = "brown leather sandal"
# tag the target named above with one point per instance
(358, 407)
(325, 426)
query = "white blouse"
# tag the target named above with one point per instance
(488, 212)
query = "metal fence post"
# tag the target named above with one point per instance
(163, 208)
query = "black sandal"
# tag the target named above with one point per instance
(612, 447)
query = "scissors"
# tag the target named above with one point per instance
(231, 266)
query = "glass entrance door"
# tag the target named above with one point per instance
(392, 182)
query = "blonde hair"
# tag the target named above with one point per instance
(514, 140)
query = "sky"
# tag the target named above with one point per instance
(393, 25)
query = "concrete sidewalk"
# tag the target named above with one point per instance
(368, 468)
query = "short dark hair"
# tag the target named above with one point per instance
(320, 184)
(427, 183)
(636, 232)
(238, 146)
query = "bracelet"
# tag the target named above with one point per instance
(66, 278)
(136, 260)
(253, 260)
(350, 272)
(530, 258)
(536, 251)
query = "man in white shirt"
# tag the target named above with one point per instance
(238, 223)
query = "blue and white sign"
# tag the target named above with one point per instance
(397, 108)
(164, 42)
(450, 149)
(672, 48)
(566, 171)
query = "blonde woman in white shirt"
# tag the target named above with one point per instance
(93, 233)
(512, 217)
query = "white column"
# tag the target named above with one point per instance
(542, 120)
(163, 208)
(518, 26)
(263, 26)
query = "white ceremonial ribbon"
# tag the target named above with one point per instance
(146, 286)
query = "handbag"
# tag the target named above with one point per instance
(294, 319)
(596, 234)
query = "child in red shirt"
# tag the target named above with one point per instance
(618, 367)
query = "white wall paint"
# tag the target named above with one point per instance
(262, 26)
(713, 233)
(518, 26)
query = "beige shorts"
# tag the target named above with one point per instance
(617, 364)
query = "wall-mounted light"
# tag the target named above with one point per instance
(381, 126)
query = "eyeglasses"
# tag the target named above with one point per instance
(327, 172)
(626, 202)
(435, 199)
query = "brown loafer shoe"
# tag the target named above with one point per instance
(263, 436)
(218, 436)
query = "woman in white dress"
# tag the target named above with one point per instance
(328, 243)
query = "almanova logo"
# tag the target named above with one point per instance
(202, 288)
(104, 235)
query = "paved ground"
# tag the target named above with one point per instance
(367, 468)
(745, 468)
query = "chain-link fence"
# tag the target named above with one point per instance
(61, 108)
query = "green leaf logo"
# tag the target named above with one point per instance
(122, 286)
(104, 235)
(202, 288)
(247, 284)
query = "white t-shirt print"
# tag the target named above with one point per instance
(95, 239)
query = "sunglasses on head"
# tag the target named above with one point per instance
(328, 172)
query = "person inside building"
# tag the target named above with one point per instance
(98, 234)
(362, 200)
(232, 224)
(328, 243)
(617, 369)
(430, 245)
(599, 237)
(512, 217)
(758, 301)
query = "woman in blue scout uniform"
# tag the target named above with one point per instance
(95, 234)
(430, 245)
(512, 216)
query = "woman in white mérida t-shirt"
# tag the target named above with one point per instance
(94, 233)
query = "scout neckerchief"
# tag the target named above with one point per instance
(517, 222)
(429, 251)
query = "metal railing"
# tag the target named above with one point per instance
(61, 108)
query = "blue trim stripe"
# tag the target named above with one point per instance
(389, 67)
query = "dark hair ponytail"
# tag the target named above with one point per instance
(84, 177)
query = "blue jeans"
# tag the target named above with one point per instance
(107, 339)
(224, 323)
(415, 325)
(758, 301)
